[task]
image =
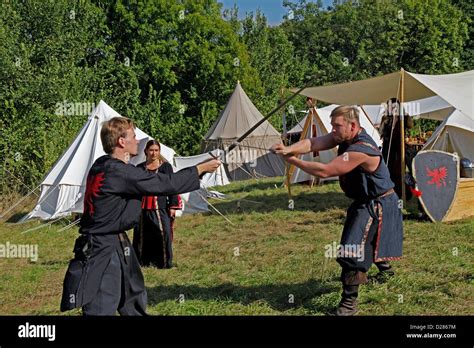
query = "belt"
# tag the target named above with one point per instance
(385, 194)
(369, 200)
(374, 204)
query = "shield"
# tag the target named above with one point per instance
(436, 174)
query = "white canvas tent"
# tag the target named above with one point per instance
(195, 201)
(251, 158)
(455, 89)
(218, 178)
(321, 125)
(63, 188)
(456, 132)
(454, 135)
(451, 90)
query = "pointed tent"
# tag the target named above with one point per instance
(320, 124)
(63, 188)
(454, 135)
(251, 158)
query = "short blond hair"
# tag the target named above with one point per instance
(112, 130)
(350, 113)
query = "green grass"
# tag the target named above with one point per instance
(280, 268)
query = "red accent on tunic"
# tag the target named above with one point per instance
(149, 203)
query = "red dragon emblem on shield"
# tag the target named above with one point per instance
(438, 176)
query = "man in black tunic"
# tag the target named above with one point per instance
(105, 277)
(373, 231)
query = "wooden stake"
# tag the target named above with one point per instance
(402, 132)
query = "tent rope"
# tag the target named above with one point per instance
(41, 226)
(19, 201)
(212, 206)
(70, 225)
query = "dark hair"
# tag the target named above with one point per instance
(152, 142)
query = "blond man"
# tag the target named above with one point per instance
(373, 231)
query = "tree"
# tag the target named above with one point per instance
(271, 54)
(56, 63)
(189, 55)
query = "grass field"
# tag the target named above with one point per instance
(269, 261)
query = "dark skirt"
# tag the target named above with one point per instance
(374, 228)
(84, 277)
(152, 239)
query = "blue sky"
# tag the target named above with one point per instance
(273, 9)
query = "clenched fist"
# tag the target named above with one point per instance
(281, 149)
(208, 166)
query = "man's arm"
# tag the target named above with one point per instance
(140, 182)
(321, 143)
(134, 181)
(341, 165)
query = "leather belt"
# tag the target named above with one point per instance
(389, 192)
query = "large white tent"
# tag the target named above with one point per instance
(453, 89)
(63, 188)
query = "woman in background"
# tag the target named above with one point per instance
(153, 236)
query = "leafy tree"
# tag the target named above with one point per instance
(271, 54)
(54, 53)
(189, 55)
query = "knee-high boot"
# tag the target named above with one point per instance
(348, 304)
(350, 290)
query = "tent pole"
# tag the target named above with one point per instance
(402, 133)
(283, 120)
(307, 123)
(318, 179)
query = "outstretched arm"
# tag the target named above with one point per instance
(140, 182)
(341, 165)
(321, 143)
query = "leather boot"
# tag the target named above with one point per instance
(350, 290)
(385, 272)
(348, 304)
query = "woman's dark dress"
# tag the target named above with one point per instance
(153, 236)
